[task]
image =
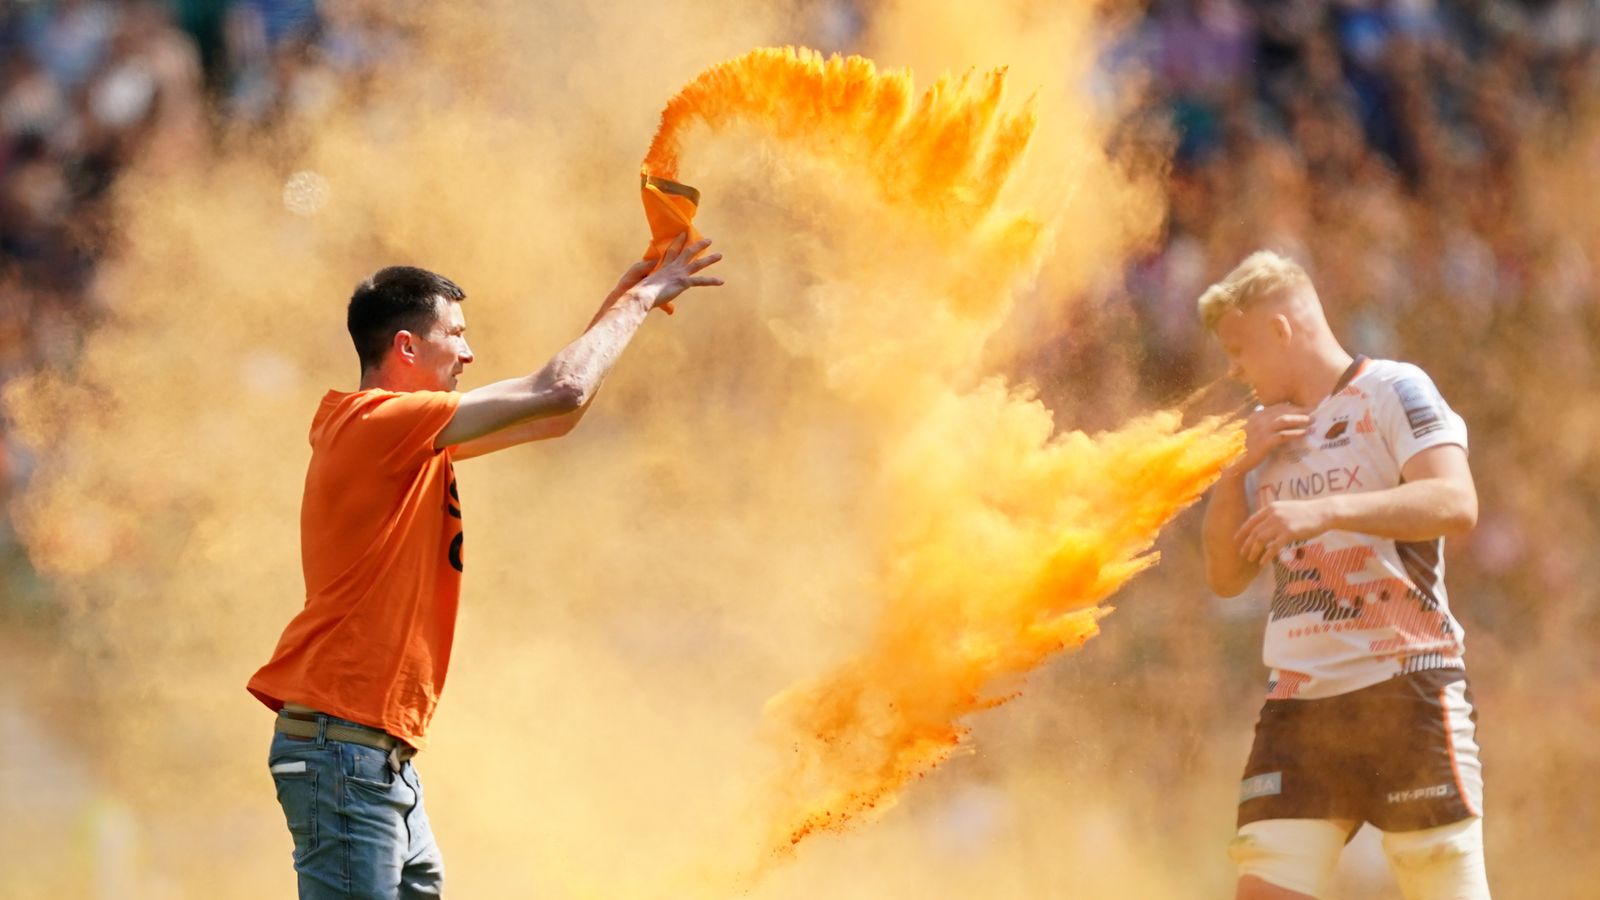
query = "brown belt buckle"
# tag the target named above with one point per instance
(394, 758)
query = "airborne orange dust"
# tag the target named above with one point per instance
(807, 532)
(998, 538)
(812, 526)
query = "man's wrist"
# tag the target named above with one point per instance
(1334, 513)
(1235, 472)
(639, 299)
(646, 296)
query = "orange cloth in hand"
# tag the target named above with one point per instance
(669, 207)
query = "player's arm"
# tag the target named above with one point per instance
(1436, 498)
(568, 383)
(1228, 570)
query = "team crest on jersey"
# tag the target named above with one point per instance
(1336, 436)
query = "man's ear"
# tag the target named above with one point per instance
(1282, 328)
(404, 344)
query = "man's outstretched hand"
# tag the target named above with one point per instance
(677, 271)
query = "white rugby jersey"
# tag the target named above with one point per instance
(1350, 610)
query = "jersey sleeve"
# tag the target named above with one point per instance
(398, 430)
(1413, 416)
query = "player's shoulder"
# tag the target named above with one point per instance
(1388, 371)
(1390, 376)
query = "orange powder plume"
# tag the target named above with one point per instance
(1000, 537)
(987, 582)
(950, 149)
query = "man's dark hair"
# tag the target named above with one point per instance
(399, 298)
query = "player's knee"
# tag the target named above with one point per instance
(1296, 854)
(1444, 863)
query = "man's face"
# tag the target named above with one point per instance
(1256, 353)
(442, 352)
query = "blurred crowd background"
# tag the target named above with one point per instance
(89, 86)
(1423, 159)
(1386, 145)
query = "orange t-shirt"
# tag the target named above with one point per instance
(380, 543)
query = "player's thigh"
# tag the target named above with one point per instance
(1426, 773)
(1302, 763)
(1253, 888)
(1441, 863)
(1293, 856)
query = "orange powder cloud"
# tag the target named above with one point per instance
(1001, 537)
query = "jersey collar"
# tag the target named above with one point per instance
(1356, 365)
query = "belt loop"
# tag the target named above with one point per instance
(322, 731)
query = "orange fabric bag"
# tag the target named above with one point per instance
(669, 207)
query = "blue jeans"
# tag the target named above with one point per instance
(359, 827)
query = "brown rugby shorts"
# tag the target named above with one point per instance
(1401, 754)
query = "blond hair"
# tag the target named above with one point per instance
(1262, 273)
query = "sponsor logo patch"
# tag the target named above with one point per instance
(1334, 480)
(1424, 793)
(1422, 413)
(1338, 428)
(1267, 785)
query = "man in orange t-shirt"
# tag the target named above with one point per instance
(357, 673)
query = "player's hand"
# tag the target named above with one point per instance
(1269, 428)
(1278, 524)
(679, 270)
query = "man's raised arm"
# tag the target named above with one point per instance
(567, 383)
